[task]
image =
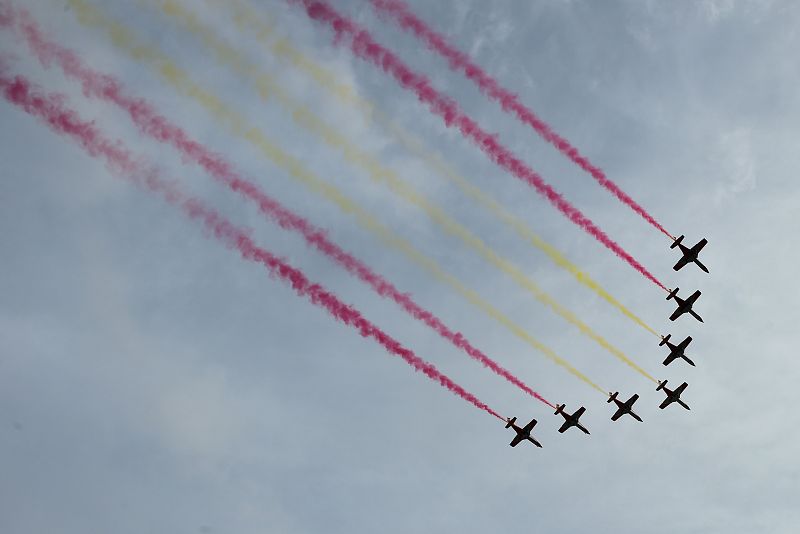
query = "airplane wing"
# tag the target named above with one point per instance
(564, 427)
(579, 412)
(679, 389)
(681, 263)
(693, 297)
(633, 399)
(677, 313)
(527, 429)
(685, 343)
(620, 412)
(516, 440)
(670, 358)
(699, 246)
(664, 404)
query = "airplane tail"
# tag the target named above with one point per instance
(661, 384)
(612, 396)
(701, 265)
(673, 293)
(559, 408)
(676, 242)
(510, 422)
(664, 339)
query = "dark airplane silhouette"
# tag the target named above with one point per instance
(623, 407)
(684, 306)
(676, 351)
(672, 396)
(570, 420)
(689, 254)
(522, 433)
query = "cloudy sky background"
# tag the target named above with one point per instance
(151, 381)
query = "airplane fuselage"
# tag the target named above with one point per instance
(689, 253)
(573, 421)
(520, 431)
(684, 305)
(626, 408)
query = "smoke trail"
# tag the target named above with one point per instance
(247, 19)
(363, 45)
(50, 108)
(151, 123)
(178, 79)
(402, 15)
(380, 174)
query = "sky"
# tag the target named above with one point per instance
(153, 381)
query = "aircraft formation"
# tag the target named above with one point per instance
(53, 110)
(676, 352)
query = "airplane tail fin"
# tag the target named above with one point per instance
(701, 265)
(676, 242)
(612, 396)
(673, 293)
(664, 339)
(661, 384)
(559, 409)
(510, 422)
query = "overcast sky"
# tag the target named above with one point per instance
(152, 381)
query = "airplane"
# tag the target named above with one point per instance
(623, 407)
(676, 351)
(672, 396)
(684, 305)
(689, 254)
(570, 420)
(522, 433)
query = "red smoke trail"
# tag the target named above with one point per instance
(151, 123)
(52, 110)
(363, 45)
(405, 18)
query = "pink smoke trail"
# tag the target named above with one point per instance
(402, 15)
(51, 109)
(160, 128)
(363, 45)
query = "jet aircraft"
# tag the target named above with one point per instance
(570, 420)
(672, 395)
(676, 351)
(522, 433)
(684, 305)
(689, 254)
(623, 407)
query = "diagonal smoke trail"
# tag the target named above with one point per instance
(402, 15)
(364, 46)
(179, 80)
(267, 86)
(51, 109)
(247, 19)
(98, 85)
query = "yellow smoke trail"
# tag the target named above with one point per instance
(247, 19)
(267, 86)
(121, 37)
